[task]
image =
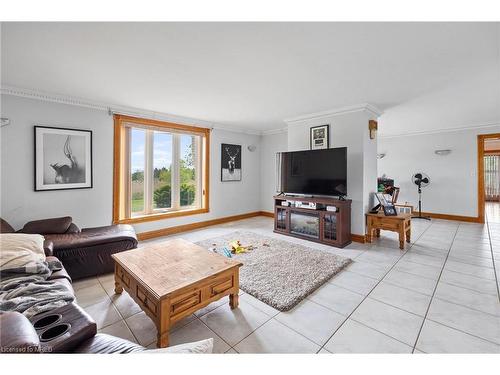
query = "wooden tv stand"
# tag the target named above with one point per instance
(319, 225)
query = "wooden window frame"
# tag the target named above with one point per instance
(120, 161)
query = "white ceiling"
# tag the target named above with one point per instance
(424, 76)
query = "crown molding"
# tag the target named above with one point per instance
(240, 130)
(116, 108)
(441, 130)
(370, 108)
(274, 131)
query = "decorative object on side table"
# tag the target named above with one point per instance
(388, 208)
(230, 162)
(63, 158)
(319, 137)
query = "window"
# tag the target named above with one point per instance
(161, 170)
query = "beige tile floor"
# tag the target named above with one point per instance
(440, 295)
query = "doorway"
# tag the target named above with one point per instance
(489, 177)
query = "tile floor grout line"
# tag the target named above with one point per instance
(371, 290)
(233, 347)
(435, 288)
(119, 313)
(297, 332)
(493, 256)
(202, 322)
(468, 307)
(464, 332)
(463, 287)
(385, 334)
(286, 325)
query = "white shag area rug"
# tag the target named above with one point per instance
(277, 272)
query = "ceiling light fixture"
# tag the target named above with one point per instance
(4, 121)
(442, 152)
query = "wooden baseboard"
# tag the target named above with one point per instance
(358, 238)
(468, 219)
(266, 213)
(192, 226)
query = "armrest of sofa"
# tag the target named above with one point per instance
(73, 228)
(17, 334)
(48, 248)
(5, 227)
(96, 236)
(57, 225)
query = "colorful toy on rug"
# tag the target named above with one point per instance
(238, 248)
(222, 251)
(225, 251)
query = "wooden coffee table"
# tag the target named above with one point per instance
(173, 279)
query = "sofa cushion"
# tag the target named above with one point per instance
(57, 225)
(5, 227)
(198, 347)
(106, 344)
(18, 249)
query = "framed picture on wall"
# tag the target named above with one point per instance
(319, 137)
(63, 158)
(230, 162)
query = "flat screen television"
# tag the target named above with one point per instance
(314, 172)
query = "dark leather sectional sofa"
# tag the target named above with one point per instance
(83, 252)
(19, 334)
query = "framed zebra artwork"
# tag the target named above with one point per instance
(63, 158)
(230, 162)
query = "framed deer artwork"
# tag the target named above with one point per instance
(230, 162)
(63, 158)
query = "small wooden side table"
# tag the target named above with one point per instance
(400, 223)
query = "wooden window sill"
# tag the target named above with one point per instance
(161, 216)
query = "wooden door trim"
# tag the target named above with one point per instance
(480, 173)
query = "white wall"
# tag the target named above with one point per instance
(346, 130)
(269, 146)
(453, 188)
(93, 207)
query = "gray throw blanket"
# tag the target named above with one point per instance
(27, 290)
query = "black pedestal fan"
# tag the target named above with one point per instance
(421, 180)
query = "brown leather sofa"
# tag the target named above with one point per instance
(19, 334)
(83, 252)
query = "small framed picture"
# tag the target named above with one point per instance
(388, 208)
(63, 158)
(230, 162)
(381, 199)
(319, 137)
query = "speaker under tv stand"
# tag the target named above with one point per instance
(330, 224)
